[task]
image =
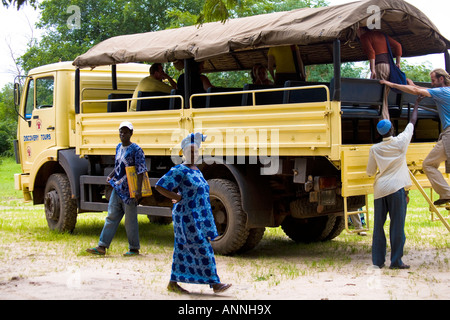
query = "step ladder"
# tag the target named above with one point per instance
(363, 211)
(433, 209)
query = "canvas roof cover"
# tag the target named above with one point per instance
(240, 43)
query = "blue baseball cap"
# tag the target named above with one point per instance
(384, 126)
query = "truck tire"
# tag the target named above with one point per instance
(339, 226)
(160, 220)
(229, 217)
(310, 229)
(60, 208)
(254, 237)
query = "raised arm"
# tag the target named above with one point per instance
(418, 91)
(413, 119)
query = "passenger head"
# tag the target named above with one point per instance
(259, 73)
(157, 71)
(178, 64)
(197, 67)
(439, 78)
(155, 68)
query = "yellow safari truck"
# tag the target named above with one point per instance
(292, 155)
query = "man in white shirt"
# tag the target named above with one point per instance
(389, 156)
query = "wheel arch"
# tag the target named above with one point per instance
(41, 177)
(74, 167)
(68, 163)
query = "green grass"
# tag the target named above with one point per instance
(275, 259)
(8, 167)
(20, 221)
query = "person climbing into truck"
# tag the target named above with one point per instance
(440, 93)
(375, 46)
(389, 156)
(120, 203)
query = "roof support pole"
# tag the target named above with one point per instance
(447, 61)
(337, 70)
(188, 67)
(114, 76)
(77, 91)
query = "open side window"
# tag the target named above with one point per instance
(40, 93)
(29, 105)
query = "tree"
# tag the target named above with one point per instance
(419, 73)
(96, 21)
(20, 3)
(222, 10)
(8, 121)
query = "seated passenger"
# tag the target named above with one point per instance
(200, 82)
(153, 83)
(259, 75)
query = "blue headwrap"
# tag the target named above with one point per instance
(384, 126)
(193, 138)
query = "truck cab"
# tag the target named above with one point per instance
(46, 131)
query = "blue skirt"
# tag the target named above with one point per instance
(194, 263)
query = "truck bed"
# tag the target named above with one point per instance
(294, 128)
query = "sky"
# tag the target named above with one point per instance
(18, 27)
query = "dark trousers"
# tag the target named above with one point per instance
(395, 204)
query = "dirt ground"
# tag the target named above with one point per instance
(30, 275)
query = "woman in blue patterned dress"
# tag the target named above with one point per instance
(193, 221)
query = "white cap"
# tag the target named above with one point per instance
(127, 124)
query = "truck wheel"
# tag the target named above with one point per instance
(308, 230)
(229, 217)
(160, 220)
(254, 237)
(60, 208)
(339, 226)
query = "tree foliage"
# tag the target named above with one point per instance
(8, 120)
(417, 72)
(18, 3)
(222, 10)
(96, 21)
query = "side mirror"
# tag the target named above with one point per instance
(16, 94)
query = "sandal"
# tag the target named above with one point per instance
(221, 287)
(97, 250)
(131, 253)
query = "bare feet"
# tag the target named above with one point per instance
(174, 287)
